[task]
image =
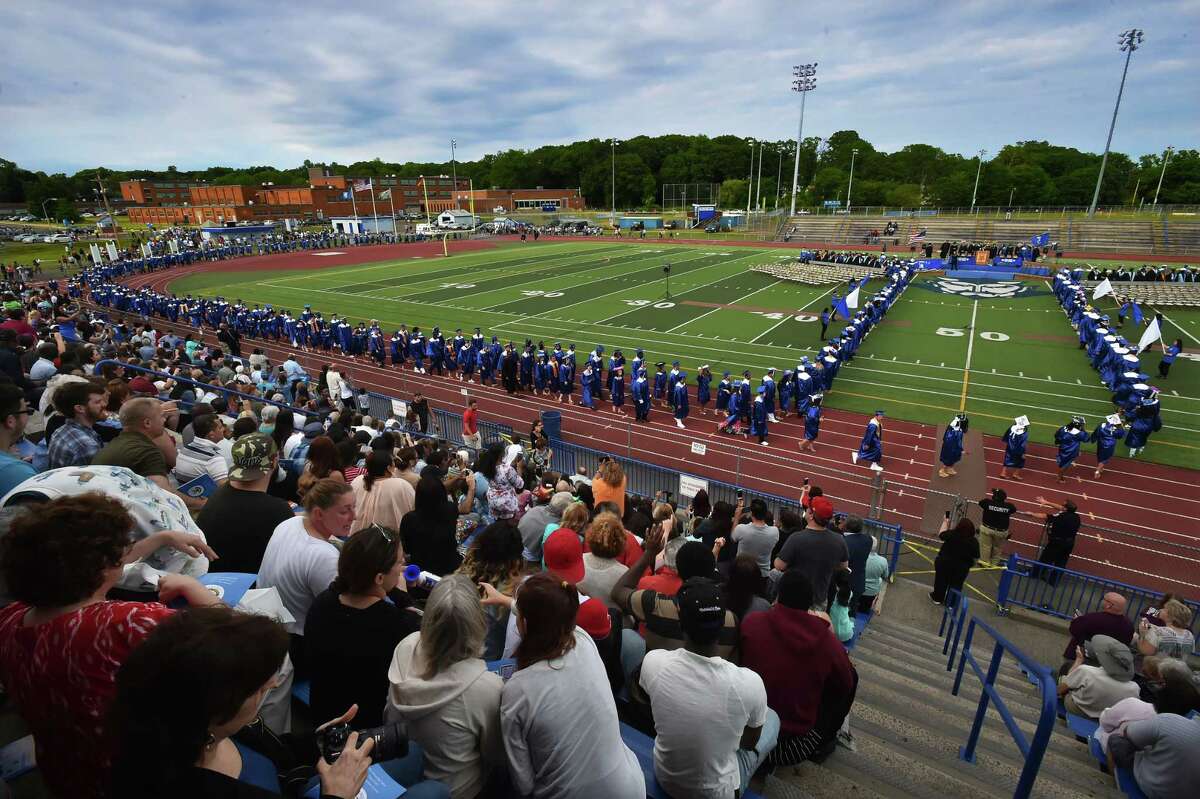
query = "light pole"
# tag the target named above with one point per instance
(978, 171)
(850, 185)
(1011, 192)
(48, 199)
(1163, 174)
(758, 192)
(454, 171)
(750, 188)
(614, 143)
(804, 81)
(1130, 40)
(779, 175)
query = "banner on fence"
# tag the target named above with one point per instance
(698, 448)
(690, 486)
(399, 409)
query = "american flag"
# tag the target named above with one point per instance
(918, 236)
(362, 185)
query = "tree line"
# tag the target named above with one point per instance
(1029, 173)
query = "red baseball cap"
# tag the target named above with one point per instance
(821, 508)
(594, 619)
(142, 385)
(563, 553)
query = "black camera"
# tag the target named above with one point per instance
(390, 741)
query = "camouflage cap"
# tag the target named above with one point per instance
(252, 454)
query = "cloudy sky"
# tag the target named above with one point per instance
(147, 84)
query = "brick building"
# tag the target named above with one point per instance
(514, 200)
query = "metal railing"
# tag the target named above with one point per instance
(954, 618)
(1065, 593)
(1032, 750)
(203, 386)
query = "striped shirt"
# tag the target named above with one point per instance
(200, 456)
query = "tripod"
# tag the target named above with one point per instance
(667, 272)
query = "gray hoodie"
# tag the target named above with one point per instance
(454, 717)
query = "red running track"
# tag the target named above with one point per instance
(1149, 513)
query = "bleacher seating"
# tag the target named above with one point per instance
(1186, 295)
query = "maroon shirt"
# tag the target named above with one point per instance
(1098, 623)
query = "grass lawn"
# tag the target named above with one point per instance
(945, 345)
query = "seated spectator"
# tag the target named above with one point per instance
(14, 414)
(76, 441)
(547, 514)
(495, 557)
(203, 456)
(62, 641)
(187, 747)
(380, 497)
(1161, 751)
(603, 624)
(1172, 639)
(445, 695)
(757, 538)
(352, 631)
(605, 540)
(138, 448)
(240, 516)
(321, 463)
(709, 742)
(744, 591)
(809, 679)
(816, 551)
(429, 530)
(1088, 690)
(301, 561)
(658, 613)
(554, 697)
(1110, 620)
(1176, 692)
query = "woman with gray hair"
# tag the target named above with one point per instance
(443, 692)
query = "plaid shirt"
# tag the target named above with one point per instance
(73, 445)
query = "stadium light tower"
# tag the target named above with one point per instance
(978, 172)
(1163, 174)
(850, 185)
(1130, 40)
(804, 80)
(750, 188)
(614, 143)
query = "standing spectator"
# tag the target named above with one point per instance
(809, 680)
(710, 742)
(203, 456)
(958, 553)
(997, 513)
(14, 414)
(858, 548)
(420, 406)
(719, 524)
(816, 551)
(507, 481)
(875, 581)
(745, 587)
(609, 484)
(558, 696)
(240, 516)
(380, 497)
(1090, 690)
(1110, 620)
(757, 538)
(429, 530)
(76, 441)
(1061, 527)
(301, 560)
(444, 693)
(470, 425)
(354, 626)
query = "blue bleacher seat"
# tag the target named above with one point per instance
(1082, 727)
(642, 745)
(1128, 785)
(1097, 752)
(302, 691)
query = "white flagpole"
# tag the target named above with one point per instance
(392, 205)
(354, 205)
(374, 213)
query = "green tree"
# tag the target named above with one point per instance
(733, 194)
(904, 195)
(65, 209)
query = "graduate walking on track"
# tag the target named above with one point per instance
(952, 445)
(871, 448)
(680, 399)
(1068, 438)
(812, 424)
(1015, 438)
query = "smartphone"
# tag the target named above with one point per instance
(947, 514)
(805, 481)
(741, 495)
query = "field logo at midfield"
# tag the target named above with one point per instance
(981, 289)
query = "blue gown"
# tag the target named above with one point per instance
(952, 447)
(1014, 448)
(680, 397)
(703, 394)
(871, 448)
(758, 419)
(616, 389)
(1068, 445)
(1106, 435)
(585, 391)
(812, 422)
(769, 395)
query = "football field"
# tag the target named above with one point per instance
(994, 349)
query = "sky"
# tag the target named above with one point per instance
(148, 84)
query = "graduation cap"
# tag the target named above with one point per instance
(725, 374)
(762, 390)
(662, 365)
(1113, 418)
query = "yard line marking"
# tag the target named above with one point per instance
(805, 307)
(1077, 380)
(962, 400)
(714, 310)
(1180, 327)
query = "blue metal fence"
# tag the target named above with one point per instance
(954, 618)
(1032, 750)
(1064, 593)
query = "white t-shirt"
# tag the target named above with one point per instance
(299, 566)
(701, 706)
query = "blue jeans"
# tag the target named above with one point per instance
(750, 759)
(633, 651)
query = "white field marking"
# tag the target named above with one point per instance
(789, 316)
(714, 310)
(1178, 327)
(962, 402)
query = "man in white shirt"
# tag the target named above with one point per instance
(714, 727)
(203, 454)
(1090, 690)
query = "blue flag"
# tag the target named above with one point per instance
(1137, 313)
(842, 309)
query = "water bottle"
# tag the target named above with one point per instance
(422, 579)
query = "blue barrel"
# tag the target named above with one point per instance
(552, 420)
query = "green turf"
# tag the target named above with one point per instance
(1024, 358)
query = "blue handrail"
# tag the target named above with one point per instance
(1062, 592)
(1032, 750)
(954, 618)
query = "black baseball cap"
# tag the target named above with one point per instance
(701, 609)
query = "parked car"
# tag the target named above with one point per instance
(58, 238)
(803, 212)
(712, 229)
(29, 238)
(499, 209)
